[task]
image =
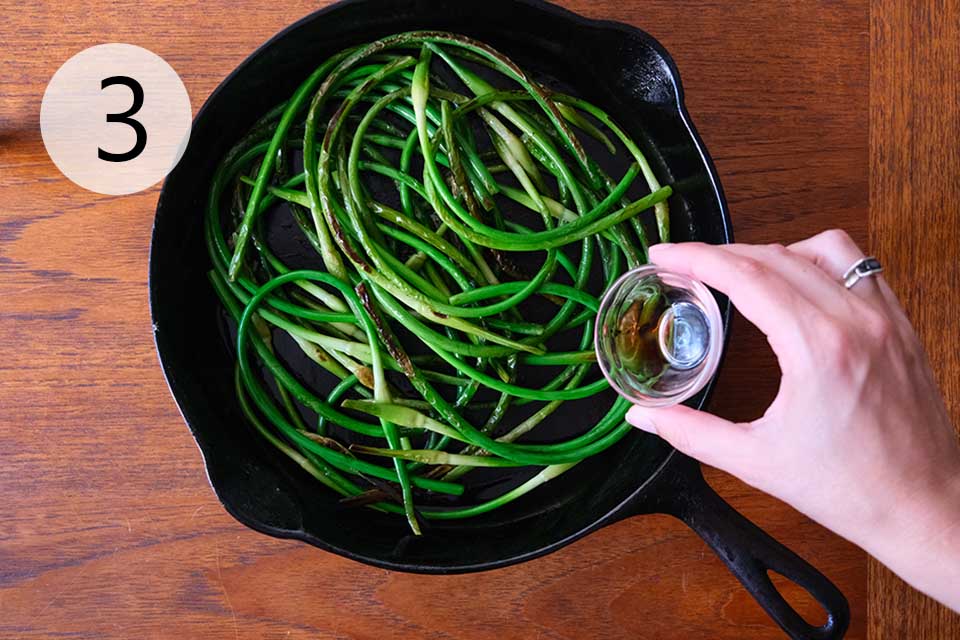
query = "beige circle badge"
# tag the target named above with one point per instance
(115, 118)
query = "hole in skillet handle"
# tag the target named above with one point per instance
(802, 602)
(680, 490)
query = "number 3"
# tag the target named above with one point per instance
(125, 118)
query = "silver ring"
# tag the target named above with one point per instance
(862, 268)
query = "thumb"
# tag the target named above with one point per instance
(712, 440)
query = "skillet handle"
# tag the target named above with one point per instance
(749, 552)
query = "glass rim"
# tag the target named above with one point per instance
(707, 369)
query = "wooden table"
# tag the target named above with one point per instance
(818, 114)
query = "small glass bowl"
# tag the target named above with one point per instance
(687, 342)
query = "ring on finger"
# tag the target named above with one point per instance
(862, 268)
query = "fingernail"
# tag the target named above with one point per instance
(638, 418)
(657, 248)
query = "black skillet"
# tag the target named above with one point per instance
(614, 65)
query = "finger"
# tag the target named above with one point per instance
(762, 295)
(834, 252)
(712, 440)
(809, 280)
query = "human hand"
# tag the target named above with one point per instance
(858, 437)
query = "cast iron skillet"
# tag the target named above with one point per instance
(616, 66)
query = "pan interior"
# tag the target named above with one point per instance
(619, 70)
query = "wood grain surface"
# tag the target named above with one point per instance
(914, 222)
(109, 529)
